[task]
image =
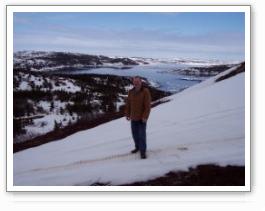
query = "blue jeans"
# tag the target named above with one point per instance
(139, 134)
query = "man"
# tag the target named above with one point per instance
(137, 111)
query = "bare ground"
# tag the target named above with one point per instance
(201, 175)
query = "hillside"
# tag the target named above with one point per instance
(50, 61)
(49, 106)
(203, 124)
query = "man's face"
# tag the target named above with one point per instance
(137, 82)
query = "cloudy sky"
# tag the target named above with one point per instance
(160, 35)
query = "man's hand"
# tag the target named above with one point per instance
(144, 120)
(128, 118)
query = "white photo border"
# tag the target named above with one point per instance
(10, 9)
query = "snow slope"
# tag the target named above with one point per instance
(203, 124)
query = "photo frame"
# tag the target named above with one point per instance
(11, 9)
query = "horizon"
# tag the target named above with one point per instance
(193, 35)
(120, 56)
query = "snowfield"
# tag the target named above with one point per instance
(203, 124)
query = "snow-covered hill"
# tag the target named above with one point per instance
(184, 61)
(203, 124)
(50, 61)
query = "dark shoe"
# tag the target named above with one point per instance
(143, 155)
(135, 150)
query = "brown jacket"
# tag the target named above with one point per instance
(138, 104)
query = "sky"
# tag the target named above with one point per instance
(197, 35)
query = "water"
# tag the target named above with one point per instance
(156, 74)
